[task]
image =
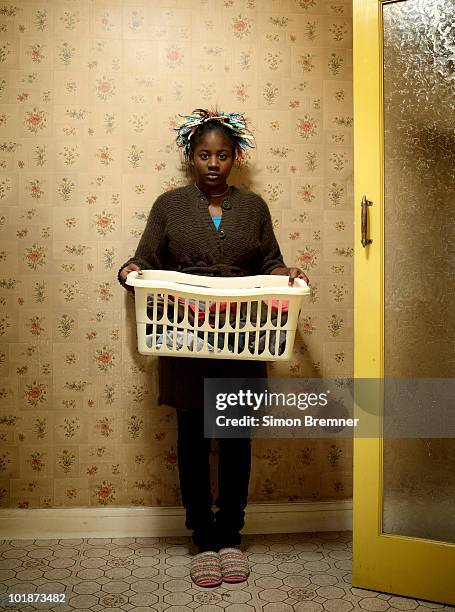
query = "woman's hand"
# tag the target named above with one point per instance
(292, 273)
(127, 269)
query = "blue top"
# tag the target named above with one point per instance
(216, 221)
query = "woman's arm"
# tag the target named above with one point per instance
(271, 257)
(151, 247)
(272, 260)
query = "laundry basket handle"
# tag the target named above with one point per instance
(216, 286)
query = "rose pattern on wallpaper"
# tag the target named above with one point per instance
(85, 148)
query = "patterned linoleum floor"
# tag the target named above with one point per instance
(296, 572)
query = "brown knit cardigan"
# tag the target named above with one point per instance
(180, 235)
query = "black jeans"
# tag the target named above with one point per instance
(212, 532)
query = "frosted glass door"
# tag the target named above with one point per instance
(419, 251)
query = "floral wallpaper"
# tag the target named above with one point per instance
(89, 90)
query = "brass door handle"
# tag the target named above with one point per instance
(364, 221)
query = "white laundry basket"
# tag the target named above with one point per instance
(185, 315)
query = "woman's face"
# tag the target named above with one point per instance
(212, 162)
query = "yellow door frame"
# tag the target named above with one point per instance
(419, 568)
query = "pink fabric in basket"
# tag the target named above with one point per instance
(233, 307)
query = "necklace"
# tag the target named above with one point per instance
(213, 195)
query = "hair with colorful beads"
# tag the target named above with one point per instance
(233, 125)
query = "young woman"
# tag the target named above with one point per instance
(214, 229)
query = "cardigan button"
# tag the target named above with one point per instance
(222, 234)
(226, 205)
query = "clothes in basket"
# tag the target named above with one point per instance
(179, 340)
(203, 308)
(208, 309)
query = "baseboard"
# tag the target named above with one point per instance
(55, 523)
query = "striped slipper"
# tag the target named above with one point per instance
(234, 566)
(205, 570)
